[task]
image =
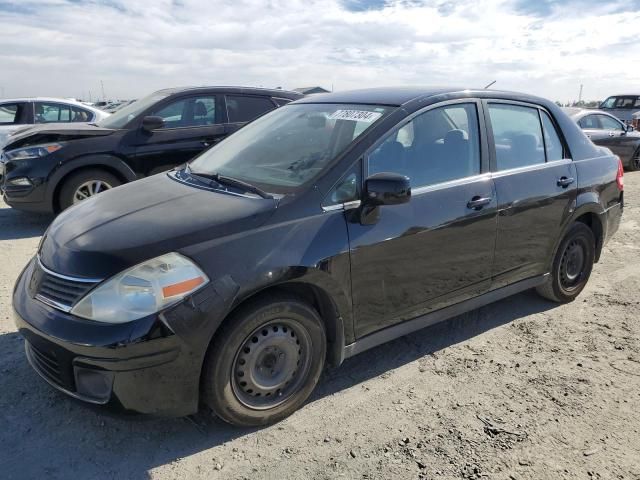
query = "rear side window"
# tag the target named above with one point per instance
(590, 122)
(439, 145)
(81, 115)
(517, 134)
(552, 143)
(52, 112)
(10, 113)
(244, 109)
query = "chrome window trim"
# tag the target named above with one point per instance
(342, 206)
(451, 183)
(528, 168)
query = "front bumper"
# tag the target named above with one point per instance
(149, 366)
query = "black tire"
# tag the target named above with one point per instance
(572, 265)
(77, 180)
(261, 345)
(634, 162)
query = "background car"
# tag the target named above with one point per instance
(49, 168)
(606, 130)
(19, 112)
(622, 106)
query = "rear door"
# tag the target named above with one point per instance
(535, 182)
(241, 109)
(437, 249)
(613, 135)
(192, 124)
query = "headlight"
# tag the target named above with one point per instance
(35, 151)
(142, 290)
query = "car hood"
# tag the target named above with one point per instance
(54, 132)
(141, 220)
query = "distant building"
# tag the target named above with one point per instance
(310, 90)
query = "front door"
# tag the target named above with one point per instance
(192, 124)
(535, 183)
(438, 248)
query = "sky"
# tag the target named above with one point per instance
(70, 48)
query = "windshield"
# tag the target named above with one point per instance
(290, 146)
(124, 115)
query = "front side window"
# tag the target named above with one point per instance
(608, 123)
(52, 112)
(10, 113)
(439, 145)
(123, 116)
(188, 112)
(608, 103)
(290, 146)
(517, 135)
(244, 109)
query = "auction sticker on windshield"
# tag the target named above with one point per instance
(355, 115)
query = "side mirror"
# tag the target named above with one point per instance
(630, 128)
(386, 189)
(152, 123)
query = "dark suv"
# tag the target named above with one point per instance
(327, 227)
(50, 167)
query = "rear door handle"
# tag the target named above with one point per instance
(209, 141)
(564, 182)
(477, 202)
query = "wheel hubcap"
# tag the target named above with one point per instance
(89, 189)
(572, 265)
(271, 365)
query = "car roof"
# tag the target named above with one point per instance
(577, 112)
(273, 92)
(52, 99)
(398, 96)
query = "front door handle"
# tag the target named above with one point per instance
(477, 202)
(612, 134)
(209, 141)
(564, 182)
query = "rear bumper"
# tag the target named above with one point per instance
(612, 217)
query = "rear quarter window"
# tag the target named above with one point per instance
(244, 108)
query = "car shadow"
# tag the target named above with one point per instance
(44, 432)
(16, 224)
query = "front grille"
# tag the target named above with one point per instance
(47, 365)
(56, 290)
(64, 292)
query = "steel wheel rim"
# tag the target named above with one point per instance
(271, 364)
(89, 189)
(572, 265)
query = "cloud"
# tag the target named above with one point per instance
(66, 47)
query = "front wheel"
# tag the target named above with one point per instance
(634, 163)
(572, 265)
(85, 184)
(265, 361)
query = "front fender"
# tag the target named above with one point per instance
(109, 162)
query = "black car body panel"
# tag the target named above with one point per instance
(608, 131)
(373, 275)
(129, 152)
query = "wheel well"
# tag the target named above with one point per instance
(593, 222)
(106, 168)
(324, 305)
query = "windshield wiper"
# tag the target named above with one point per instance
(230, 181)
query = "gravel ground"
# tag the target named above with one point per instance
(521, 389)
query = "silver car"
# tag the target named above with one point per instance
(20, 113)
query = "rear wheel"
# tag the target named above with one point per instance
(572, 265)
(634, 163)
(85, 184)
(265, 362)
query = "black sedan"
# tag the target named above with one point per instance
(320, 230)
(49, 168)
(606, 130)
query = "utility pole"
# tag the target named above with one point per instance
(580, 95)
